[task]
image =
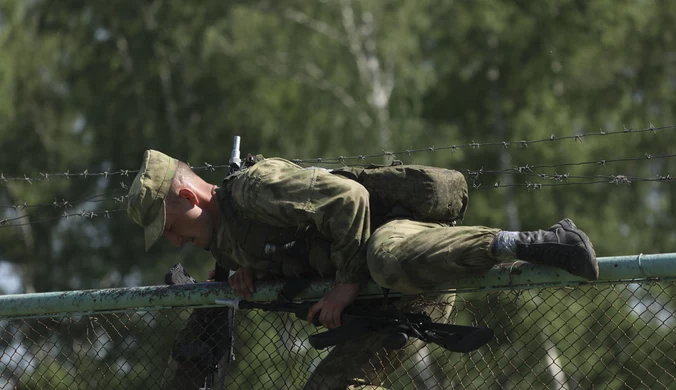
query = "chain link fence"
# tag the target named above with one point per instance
(618, 335)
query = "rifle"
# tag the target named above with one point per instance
(397, 325)
(216, 328)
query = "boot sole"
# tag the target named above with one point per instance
(568, 225)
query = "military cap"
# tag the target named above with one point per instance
(146, 201)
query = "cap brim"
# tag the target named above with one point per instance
(155, 229)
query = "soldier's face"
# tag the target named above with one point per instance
(187, 223)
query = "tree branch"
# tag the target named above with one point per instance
(313, 76)
(304, 20)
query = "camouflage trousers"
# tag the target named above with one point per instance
(406, 256)
(364, 363)
(361, 363)
(414, 257)
(195, 348)
(410, 257)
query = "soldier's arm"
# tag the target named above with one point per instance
(280, 193)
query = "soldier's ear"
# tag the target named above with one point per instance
(186, 193)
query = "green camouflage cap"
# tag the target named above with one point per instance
(146, 202)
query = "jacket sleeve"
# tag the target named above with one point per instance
(280, 193)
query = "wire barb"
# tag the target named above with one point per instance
(533, 186)
(620, 179)
(560, 178)
(523, 169)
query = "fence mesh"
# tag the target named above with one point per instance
(617, 335)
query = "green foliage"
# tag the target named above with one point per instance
(91, 85)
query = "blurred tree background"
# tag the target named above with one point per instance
(88, 86)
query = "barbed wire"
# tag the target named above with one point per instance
(476, 145)
(84, 214)
(602, 162)
(63, 203)
(342, 160)
(526, 170)
(473, 177)
(562, 180)
(47, 176)
(86, 174)
(529, 170)
(59, 204)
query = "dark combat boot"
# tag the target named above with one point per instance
(562, 245)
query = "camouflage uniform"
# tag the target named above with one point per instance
(331, 215)
(413, 257)
(404, 255)
(280, 193)
(276, 192)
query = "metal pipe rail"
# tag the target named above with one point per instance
(501, 277)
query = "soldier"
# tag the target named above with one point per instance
(248, 222)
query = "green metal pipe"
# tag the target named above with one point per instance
(503, 276)
(613, 268)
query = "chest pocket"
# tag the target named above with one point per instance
(284, 250)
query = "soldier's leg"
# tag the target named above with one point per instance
(364, 363)
(347, 364)
(185, 369)
(205, 337)
(411, 256)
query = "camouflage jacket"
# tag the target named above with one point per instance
(279, 193)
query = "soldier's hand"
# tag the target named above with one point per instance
(242, 281)
(212, 275)
(331, 306)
